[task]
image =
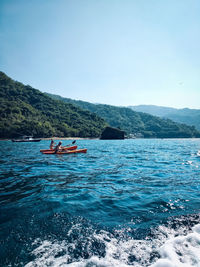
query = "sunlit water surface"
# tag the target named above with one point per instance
(123, 203)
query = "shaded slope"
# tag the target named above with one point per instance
(136, 123)
(185, 115)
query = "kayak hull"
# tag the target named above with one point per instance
(52, 150)
(83, 150)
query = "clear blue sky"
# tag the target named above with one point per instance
(118, 52)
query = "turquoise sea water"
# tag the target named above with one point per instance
(123, 203)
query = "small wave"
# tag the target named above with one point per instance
(167, 247)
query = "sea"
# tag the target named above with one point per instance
(124, 203)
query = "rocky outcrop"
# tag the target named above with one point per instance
(110, 133)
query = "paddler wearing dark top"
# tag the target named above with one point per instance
(58, 147)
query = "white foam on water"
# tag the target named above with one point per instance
(181, 251)
(175, 249)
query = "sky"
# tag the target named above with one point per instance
(117, 52)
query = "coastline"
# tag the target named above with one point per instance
(70, 138)
(58, 138)
(95, 138)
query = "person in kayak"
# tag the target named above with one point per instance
(52, 144)
(58, 147)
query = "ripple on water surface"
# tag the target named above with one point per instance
(123, 203)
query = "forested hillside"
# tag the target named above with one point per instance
(26, 111)
(185, 115)
(135, 123)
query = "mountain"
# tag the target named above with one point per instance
(135, 123)
(186, 115)
(27, 111)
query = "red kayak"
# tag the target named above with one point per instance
(52, 150)
(83, 150)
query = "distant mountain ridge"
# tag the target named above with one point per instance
(135, 123)
(188, 116)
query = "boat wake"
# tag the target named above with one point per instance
(174, 245)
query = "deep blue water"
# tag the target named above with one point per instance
(123, 203)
